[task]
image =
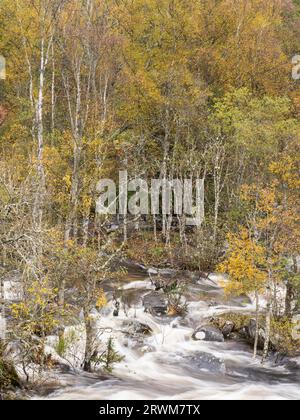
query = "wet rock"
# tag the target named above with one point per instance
(134, 327)
(155, 303)
(207, 361)
(228, 328)
(116, 304)
(133, 334)
(175, 323)
(208, 333)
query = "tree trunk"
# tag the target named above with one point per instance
(38, 205)
(289, 300)
(88, 352)
(290, 292)
(52, 93)
(168, 230)
(61, 292)
(71, 223)
(154, 228)
(268, 320)
(257, 326)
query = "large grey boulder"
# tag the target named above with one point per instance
(208, 333)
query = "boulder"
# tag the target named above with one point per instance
(208, 333)
(155, 303)
(228, 328)
(132, 334)
(133, 327)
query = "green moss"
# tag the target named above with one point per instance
(239, 320)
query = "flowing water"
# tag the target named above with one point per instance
(169, 364)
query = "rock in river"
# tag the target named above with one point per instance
(133, 327)
(202, 360)
(228, 328)
(208, 333)
(155, 303)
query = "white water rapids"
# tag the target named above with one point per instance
(169, 364)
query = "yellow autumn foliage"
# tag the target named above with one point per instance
(245, 264)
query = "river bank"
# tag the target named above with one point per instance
(162, 359)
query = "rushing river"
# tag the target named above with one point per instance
(169, 364)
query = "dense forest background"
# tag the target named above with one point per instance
(168, 88)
